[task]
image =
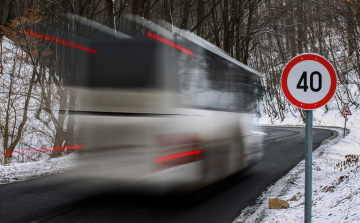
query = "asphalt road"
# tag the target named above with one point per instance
(63, 199)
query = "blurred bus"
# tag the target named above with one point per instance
(162, 110)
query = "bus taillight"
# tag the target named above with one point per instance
(183, 148)
(179, 156)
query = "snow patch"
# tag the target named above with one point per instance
(23, 171)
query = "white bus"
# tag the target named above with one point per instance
(164, 111)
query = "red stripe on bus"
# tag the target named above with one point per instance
(178, 155)
(57, 40)
(168, 42)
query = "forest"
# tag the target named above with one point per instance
(263, 34)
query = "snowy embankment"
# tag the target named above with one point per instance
(24, 171)
(336, 179)
(37, 131)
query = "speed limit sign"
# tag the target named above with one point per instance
(308, 81)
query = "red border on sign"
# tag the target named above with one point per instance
(343, 111)
(297, 60)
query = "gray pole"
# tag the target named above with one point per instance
(345, 125)
(308, 165)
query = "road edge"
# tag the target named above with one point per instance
(287, 180)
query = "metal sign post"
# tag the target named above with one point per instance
(308, 82)
(308, 164)
(345, 125)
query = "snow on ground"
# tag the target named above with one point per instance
(336, 179)
(29, 170)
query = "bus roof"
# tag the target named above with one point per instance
(169, 31)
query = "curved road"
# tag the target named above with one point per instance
(61, 199)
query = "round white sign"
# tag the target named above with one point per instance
(308, 81)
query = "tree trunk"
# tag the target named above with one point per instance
(110, 13)
(15, 138)
(70, 130)
(184, 21)
(59, 135)
(225, 21)
(167, 10)
(350, 25)
(248, 33)
(8, 10)
(200, 16)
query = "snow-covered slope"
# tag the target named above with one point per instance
(335, 187)
(24, 171)
(336, 177)
(14, 83)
